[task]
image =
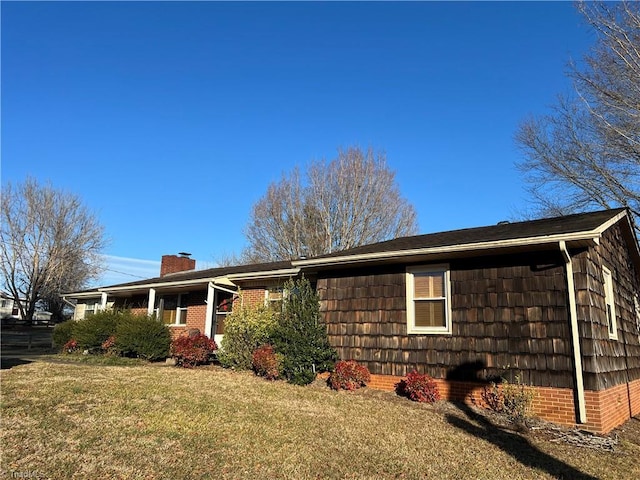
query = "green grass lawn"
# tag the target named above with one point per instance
(77, 421)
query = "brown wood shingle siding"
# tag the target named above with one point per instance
(608, 362)
(509, 315)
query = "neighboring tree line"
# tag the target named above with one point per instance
(585, 154)
(49, 243)
(349, 201)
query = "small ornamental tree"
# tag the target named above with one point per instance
(192, 350)
(419, 387)
(300, 336)
(349, 375)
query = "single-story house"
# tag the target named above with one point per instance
(554, 300)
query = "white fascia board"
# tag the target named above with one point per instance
(467, 247)
(81, 295)
(286, 272)
(157, 285)
(612, 221)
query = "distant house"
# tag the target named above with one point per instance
(9, 309)
(554, 300)
(7, 306)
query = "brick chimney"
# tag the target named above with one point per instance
(176, 263)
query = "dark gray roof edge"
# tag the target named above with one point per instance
(578, 222)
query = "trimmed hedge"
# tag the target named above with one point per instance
(63, 333)
(142, 336)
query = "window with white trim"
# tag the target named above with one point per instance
(610, 305)
(90, 309)
(173, 309)
(274, 298)
(428, 300)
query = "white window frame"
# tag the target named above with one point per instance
(268, 301)
(610, 304)
(181, 312)
(411, 326)
(94, 304)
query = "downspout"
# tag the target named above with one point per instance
(575, 335)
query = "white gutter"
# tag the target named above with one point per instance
(575, 336)
(446, 249)
(285, 272)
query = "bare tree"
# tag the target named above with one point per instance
(586, 153)
(352, 200)
(49, 244)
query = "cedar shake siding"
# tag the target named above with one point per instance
(508, 314)
(608, 362)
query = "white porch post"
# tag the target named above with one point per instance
(208, 322)
(152, 301)
(103, 301)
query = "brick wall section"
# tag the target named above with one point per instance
(196, 317)
(605, 409)
(253, 297)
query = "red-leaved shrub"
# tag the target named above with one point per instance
(418, 387)
(109, 345)
(192, 350)
(349, 375)
(70, 347)
(265, 362)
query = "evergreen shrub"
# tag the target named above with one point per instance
(300, 336)
(62, 333)
(139, 336)
(246, 329)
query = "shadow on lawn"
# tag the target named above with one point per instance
(509, 442)
(515, 445)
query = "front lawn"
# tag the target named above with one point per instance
(66, 421)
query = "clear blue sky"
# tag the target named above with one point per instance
(170, 119)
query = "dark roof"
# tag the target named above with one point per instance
(581, 222)
(566, 225)
(202, 274)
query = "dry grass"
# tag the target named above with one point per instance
(71, 421)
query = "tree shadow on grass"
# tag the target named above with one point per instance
(509, 442)
(10, 362)
(514, 444)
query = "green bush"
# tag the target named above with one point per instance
(245, 329)
(300, 337)
(62, 333)
(141, 336)
(92, 332)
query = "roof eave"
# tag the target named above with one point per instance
(578, 238)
